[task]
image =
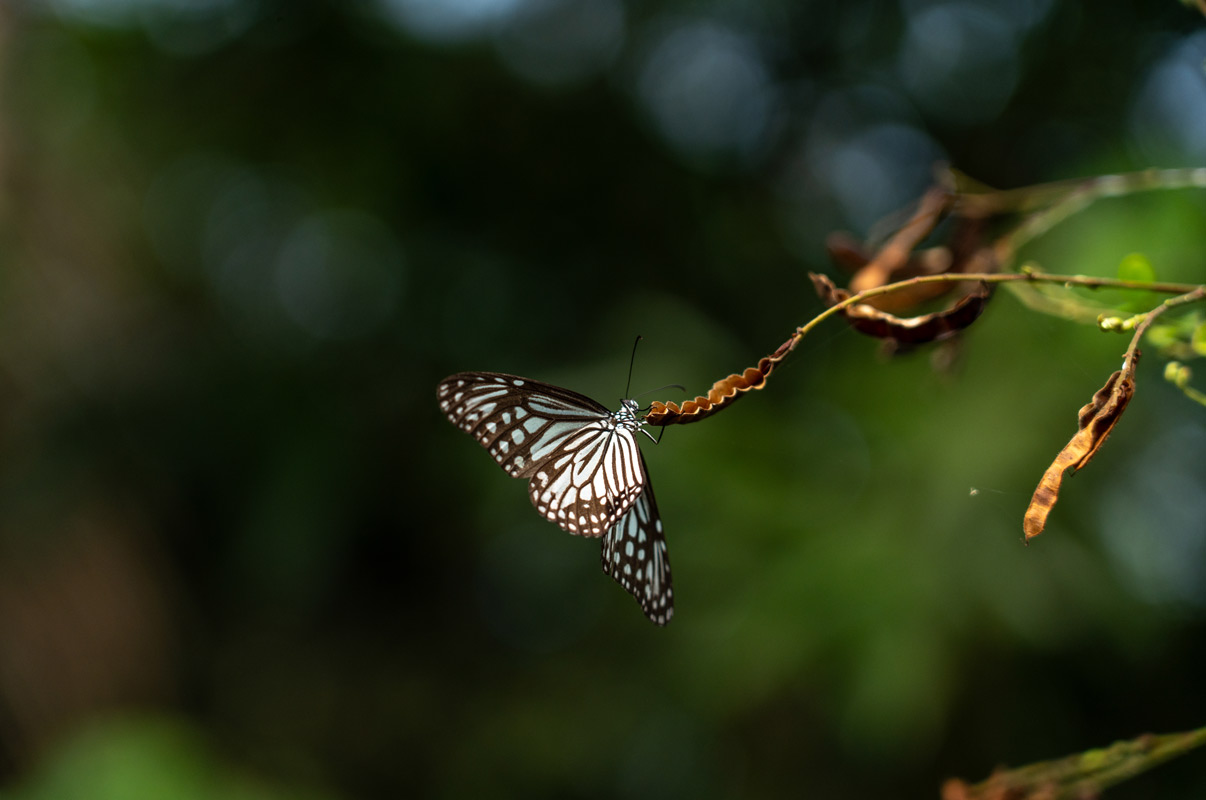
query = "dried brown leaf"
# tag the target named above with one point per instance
(897, 259)
(894, 255)
(848, 253)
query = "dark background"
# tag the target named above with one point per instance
(242, 554)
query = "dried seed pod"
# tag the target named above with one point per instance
(723, 393)
(1096, 419)
(906, 330)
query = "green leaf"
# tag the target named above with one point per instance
(1198, 340)
(1162, 336)
(1136, 267)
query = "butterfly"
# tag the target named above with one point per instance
(584, 469)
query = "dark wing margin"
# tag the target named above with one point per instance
(635, 555)
(506, 413)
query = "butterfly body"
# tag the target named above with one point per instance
(585, 471)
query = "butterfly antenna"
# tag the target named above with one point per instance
(631, 361)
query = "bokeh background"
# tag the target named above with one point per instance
(243, 556)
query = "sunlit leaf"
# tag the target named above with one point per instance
(1136, 267)
(1162, 336)
(1198, 340)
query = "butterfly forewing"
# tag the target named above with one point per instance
(634, 553)
(583, 464)
(591, 481)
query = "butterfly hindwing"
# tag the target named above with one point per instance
(635, 555)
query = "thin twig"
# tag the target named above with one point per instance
(1087, 281)
(1052, 203)
(1081, 775)
(985, 203)
(1149, 317)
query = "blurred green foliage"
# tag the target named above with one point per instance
(242, 555)
(132, 758)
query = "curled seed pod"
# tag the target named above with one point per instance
(906, 330)
(1096, 420)
(723, 393)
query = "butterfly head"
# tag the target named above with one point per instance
(626, 416)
